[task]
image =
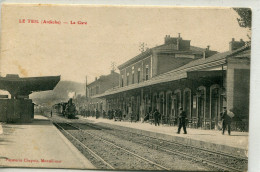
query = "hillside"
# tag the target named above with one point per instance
(61, 93)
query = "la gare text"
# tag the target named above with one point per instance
(33, 21)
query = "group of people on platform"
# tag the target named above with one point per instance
(111, 114)
(226, 118)
(117, 115)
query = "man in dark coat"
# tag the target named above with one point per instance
(182, 121)
(156, 115)
(226, 121)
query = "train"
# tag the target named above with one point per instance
(67, 109)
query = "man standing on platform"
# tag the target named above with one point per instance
(182, 121)
(156, 115)
(226, 117)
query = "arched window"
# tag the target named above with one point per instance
(187, 102)
(161, 105)
(154, 101)
(169, 105)
(214, 105)
(201, 106)
(177, 102)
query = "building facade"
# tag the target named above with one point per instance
(99, 86)
(176, 75)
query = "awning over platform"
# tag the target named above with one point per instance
(205, 74)
(176, 74)
(25, 86)
(156, 80)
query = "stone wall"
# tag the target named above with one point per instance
(16, 110)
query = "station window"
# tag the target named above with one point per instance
(146, 72)
(133, 77)
(127, 79)
(138, 75)
(122, 80)
(97, 89)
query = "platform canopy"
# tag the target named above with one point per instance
(17, 86)
(205, 74)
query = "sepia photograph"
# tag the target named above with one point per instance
(125, 87)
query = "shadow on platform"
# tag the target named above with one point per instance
(88, 126)
(35, 122)
(239, 135)
(202, 134)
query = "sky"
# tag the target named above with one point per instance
(112, 34)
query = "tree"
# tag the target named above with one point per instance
(245, 15)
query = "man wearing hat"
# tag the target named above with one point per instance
(226, 120)
(157, 116)
(182, 119)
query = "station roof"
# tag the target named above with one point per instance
(25, 86)
(243, 52)
(176, 74)
(169, 48)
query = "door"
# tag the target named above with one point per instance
(201, 104)
(214, 107)
(169, 107)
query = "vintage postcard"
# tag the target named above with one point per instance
(112, 87)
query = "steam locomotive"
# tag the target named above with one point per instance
(67, 109)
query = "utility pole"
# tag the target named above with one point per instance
(113, 69)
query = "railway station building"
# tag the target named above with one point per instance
(99, 86)
(175, 75)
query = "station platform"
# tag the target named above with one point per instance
(38, 144)
(236, 143)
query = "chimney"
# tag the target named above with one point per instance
(171, 40)
(234, 45)
(204, 54)
(179, 35)
(95, 78)
(183, 44)
(208, 47)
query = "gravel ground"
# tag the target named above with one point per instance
(170, 161)
(121, 160)
(135, 143)
(222, 159)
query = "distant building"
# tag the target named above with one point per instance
(99, 86)
(176, 75)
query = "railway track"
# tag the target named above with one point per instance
(206, 156)
(97, 157)
(153, 164)
(217, 160)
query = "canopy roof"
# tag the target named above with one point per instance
(25, 86)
